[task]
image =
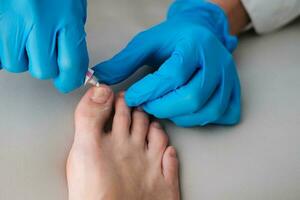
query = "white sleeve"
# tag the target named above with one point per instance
(269, 15)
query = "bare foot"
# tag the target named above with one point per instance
(130, 162)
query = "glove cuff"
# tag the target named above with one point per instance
(207, 14)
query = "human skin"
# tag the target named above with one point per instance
(133, 160)
(237, 15)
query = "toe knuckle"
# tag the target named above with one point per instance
(164, 139)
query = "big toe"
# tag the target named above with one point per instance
(93, 111)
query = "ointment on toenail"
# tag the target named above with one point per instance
(91, 79)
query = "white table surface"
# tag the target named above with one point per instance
(258, 159)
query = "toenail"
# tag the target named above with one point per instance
(156, 125)
(140, 109)
(121, 94)
(101, 94)
(172, 153)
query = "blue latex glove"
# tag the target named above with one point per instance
(47, 38)
(196, 82)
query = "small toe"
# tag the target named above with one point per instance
(93, 111)
(157, 139)
(140, 126)
(170, 165)
(122, 119)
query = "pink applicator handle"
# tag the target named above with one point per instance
(91, 79)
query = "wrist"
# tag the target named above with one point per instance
(237, 15)
(206, 14)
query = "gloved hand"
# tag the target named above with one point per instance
(197, 82)
(47, 38)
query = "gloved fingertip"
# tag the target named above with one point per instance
(14, 66)
(62, 90)
(100, 74)
(107, 74)
(44, 74)
(234, 121)
(180, 123)
(14, 70)
(204, 123)
(66, 87)
(131, 99)
(229, 119)
(186, 122)
(157, 112)
(147, 108)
